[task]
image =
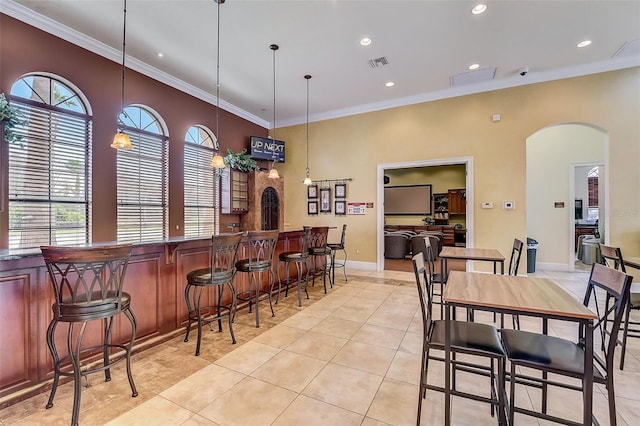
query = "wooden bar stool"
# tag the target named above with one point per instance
(87, 286)
(261, 245)
(219, 275)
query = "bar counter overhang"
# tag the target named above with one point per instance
(155, 278)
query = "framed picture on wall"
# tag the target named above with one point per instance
(340, 208)
(325, 200)
(341, 190)
(312, 207)
(312, 191)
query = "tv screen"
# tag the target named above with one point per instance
(407, 200)
(267, 149)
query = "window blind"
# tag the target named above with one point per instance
(49, 171)
(200, 191)
(142, 188)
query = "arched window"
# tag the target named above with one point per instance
(49, 164)
(143, 177)
(201, 210)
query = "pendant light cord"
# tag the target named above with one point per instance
(124, 46)
(307, 77)
(218, 78)
(274, 47)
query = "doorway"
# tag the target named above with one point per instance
(381, 168)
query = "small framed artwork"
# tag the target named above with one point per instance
(312, 191)
(312, 207)
(340, 208)
(341, 190)
(325, 200)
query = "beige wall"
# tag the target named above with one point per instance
(460, 127)
(551, 155)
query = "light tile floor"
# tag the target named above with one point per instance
(351, 357)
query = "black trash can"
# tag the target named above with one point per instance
(532, 249)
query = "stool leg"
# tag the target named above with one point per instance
(333, 267)
(189, 310)
(299, 283)
(198, 290)
(108, 322)
(272, 278)
(56, 360)
(232, 309)
(74, 355)
(344, 265)
(134, 326)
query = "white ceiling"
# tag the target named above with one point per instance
(426, 44)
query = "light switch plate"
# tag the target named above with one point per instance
(487, 205)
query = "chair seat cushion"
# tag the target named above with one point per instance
(205, 277)
(92, 308)
(547, 352)
(468, 336)
(335, 246)
(319, 251)
(292, 256)
(254, 266)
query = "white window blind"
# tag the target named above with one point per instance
(142, 182)
(49, 167)
(201, 212)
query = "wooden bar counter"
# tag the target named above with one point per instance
(155, 278)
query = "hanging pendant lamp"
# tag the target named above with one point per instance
(121, 140)
(273, 172)
(218, 161)
(307, 180)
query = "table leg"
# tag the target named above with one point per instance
(447, 366)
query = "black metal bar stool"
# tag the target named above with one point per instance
(335, 247)
(219, 275)
(87, 285)
(299, 258)
(261, 245)
(318, 250)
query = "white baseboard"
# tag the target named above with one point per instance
(558, 267)
(366, 266)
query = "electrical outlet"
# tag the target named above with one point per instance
(487, 205)
(509, 205)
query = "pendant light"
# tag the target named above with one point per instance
(218, 161)
(121, 140)
(307, 179)
(273, 173)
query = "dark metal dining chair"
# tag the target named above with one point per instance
(469, 338)
(87, 286)
(550, 354)
(514, 262)
(219, 275)
(318, 252)
(612, 257)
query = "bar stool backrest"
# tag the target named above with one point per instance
(318, 239)
(424, 292)
(612, 257)
(87, 281)
(224, 250)
(344, 233)
(261, 245)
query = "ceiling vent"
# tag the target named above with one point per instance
(378, 62)
(630, 48)
(472, 77)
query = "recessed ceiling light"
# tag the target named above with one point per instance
(365, 41)
(160, 55)
(479, 8)
(474, 66)
(584, 43)
(389, 83)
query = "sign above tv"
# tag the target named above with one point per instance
(267, 149)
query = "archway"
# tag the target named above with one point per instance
(553, 156)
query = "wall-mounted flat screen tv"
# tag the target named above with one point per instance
(267, 149)
(407, 200)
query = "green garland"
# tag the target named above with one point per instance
(11, 117)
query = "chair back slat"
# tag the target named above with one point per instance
(344, 233)
(318, 237)
(612, 257)
(424, 292)
(516, 253)
(261, 245)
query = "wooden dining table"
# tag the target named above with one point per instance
(469, 253)
(517, 295)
